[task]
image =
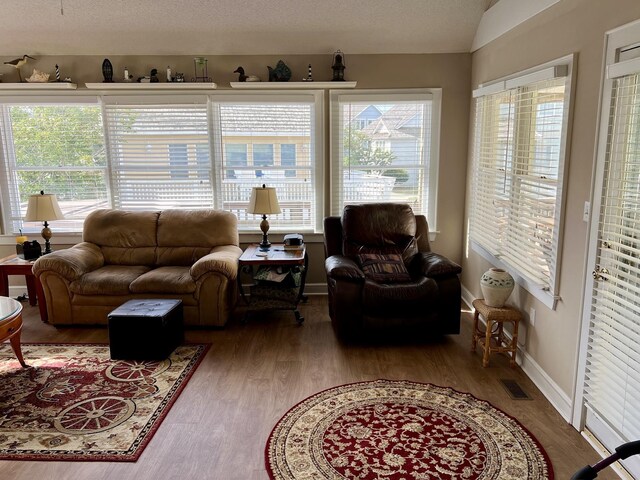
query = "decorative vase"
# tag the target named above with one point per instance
(496, 285)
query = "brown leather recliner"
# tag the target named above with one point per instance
(370, 292)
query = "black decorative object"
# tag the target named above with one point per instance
(281, 73)
(29, 250)
(153, 75)
(338, 67)
(241, 76)
(107, 71)
(57, 73)
(309, 77)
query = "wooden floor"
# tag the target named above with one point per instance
(255, 372)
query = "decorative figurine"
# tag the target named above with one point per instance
(281, 73)
(200, 66)
(126, 76)
(245, 78)
(179, 77)
(17, 63)
(338, 67)
(107, 71)
(169, 77)
(38, 77)
(57, 73)
(309, 77)
(153, 75)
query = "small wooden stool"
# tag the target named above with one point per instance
(494, 332)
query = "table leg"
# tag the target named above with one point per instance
(4, 284)
(15, 345)
(487, 344)
(31, 289)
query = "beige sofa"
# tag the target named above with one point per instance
(187, 255)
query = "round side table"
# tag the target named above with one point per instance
(492, 338)
(11, 325)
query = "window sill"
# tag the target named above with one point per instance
(544, 296)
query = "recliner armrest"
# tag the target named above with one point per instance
(343, 268)
(224, 260)
(71, 263)
(433, 265)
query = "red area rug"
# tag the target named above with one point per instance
(401, 430)
(74, 403)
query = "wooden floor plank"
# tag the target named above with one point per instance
(255, 371)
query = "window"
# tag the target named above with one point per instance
(384, 149)
(288, 158)
(158, 151)
(518, 164)
(57, 148)
(153, 153)
(268, 126)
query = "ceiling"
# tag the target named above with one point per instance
(237, 27)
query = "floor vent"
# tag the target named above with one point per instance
(514, 389)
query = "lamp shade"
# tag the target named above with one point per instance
(263, 201)
(43, 207)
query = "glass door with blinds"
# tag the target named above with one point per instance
(610, 359)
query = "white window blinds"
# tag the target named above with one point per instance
(385, 149)
(159, 152)
(518, 165)
(57, 148)
(273, 140)
(612, 380)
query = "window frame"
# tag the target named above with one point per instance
(431, 143)
(8, 168)
(312, 97)
(562, 67)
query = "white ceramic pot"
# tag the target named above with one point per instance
(496, 285)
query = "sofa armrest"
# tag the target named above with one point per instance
(340, 267)
(71, 263)
(433, 265)
(223, 259)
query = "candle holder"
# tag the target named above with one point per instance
(201, 72)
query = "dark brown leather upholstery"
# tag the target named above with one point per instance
(429, 303)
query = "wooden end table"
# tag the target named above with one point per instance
(493, 338)
(266, 295)
(11, 325)
(14, 265)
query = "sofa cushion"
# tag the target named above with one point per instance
(107, 280)
(184, 236)
(421, 294)
(379, 226)
(384, 268)
(164, 280)
(126, 238)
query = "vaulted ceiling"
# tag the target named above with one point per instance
(236, 27)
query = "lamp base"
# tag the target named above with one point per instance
(264, 226)
(46, 234)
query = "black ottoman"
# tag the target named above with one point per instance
(145, 329)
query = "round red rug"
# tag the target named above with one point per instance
(398, 430)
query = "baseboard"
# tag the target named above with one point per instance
(17, 291)
(552, 392)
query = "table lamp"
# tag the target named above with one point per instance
(42, 208)
(264, 201)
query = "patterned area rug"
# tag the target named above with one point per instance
(401, 430)
(74, 403)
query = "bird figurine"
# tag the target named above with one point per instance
(281, 73)
(19, 62)
(245, 78)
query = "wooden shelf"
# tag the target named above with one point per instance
(38, 86)
(152, 86)
(291, 85)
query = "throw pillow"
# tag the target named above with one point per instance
(384, 268)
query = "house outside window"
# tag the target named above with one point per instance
(385, 148)
(288, 158)
(262, 157)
